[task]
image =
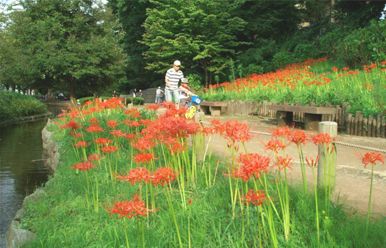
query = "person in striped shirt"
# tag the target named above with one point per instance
(173, 76)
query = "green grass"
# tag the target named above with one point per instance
(62, 218)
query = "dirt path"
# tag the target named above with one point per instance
(352, 179)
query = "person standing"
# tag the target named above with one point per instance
(158, 95)
(134, 92)
(173, 76)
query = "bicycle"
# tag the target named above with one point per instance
(191, 111)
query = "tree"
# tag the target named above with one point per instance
(72, 44)
(201, 33)
(132, 14)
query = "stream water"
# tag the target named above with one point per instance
(21, 167)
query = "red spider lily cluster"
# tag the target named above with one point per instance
(252, 165)
(372, 158)
(135, 175)
(129, 209)
(85, 166)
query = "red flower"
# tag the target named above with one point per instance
(103, 141)
(117, 133)
(76, 135)
(93, 157)
(95, 128)
(130, 136)
(163, 175)
(298, 137)
(144, 144)
(144, 157)
(112, 124)
(93, 120)
(236, 131)
(322, 138)
(152, 107)
(255, 198)
(108, 149)
(81, 144)
(130, 209)
(283, 131)
(253, 165)
(372, 158)
(284, 162)
(72, 125)
(275, 145)
(311, 162)
(135, 175)
(85, 166)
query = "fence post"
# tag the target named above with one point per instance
(327, 161)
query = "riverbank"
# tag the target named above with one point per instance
(27, 119)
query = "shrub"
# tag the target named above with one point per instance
(14, 105)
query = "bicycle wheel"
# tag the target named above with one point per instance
(190, 112)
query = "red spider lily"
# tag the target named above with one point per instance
(73, 125)
(130, 209)
(93, 157)
(176, 148)
(281, 132)
(112, 124)
(236, 131)
(103, 141)
(144, 157)
(127, 122)
(143, 144)
(145, 122)
(168, 105)
(173, 112)
(253, 165)
(190, 201)
(130, 111)
(322, 138)
(163, 175)
(208, 131)
(111, 103)
(311, 162)
(133, 113)
(334, 69)
(152, 107)
(298, 137)
(93, 120)
(135, 175)
(117, 133)
(76, 135)
(256, 198)
(284, 162)
(275, 145)
(95, 128)
(130, 136)
(85, 166)
(371, 158)
(345, 68)
(81, 144)
(109, 149)
(134, 124)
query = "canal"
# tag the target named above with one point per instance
(21, 167)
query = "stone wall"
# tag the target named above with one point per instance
(16, 237)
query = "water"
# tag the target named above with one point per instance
(19, 174)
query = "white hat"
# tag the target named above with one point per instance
(159, 87)
(177, 62)
(184, 81)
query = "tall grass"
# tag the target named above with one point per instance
(188, 210)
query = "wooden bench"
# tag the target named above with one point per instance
(213, 108)
(312, 114)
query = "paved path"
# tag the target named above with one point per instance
(352, 179)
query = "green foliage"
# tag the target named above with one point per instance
(67, 44)
(202, 33)
(136, 100)
(14, 105)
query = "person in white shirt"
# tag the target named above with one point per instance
(159, 95)
(173, 76)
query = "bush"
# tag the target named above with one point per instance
(134, 100)
(14, 105)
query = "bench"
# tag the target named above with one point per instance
(312, 114)
(213, 108)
